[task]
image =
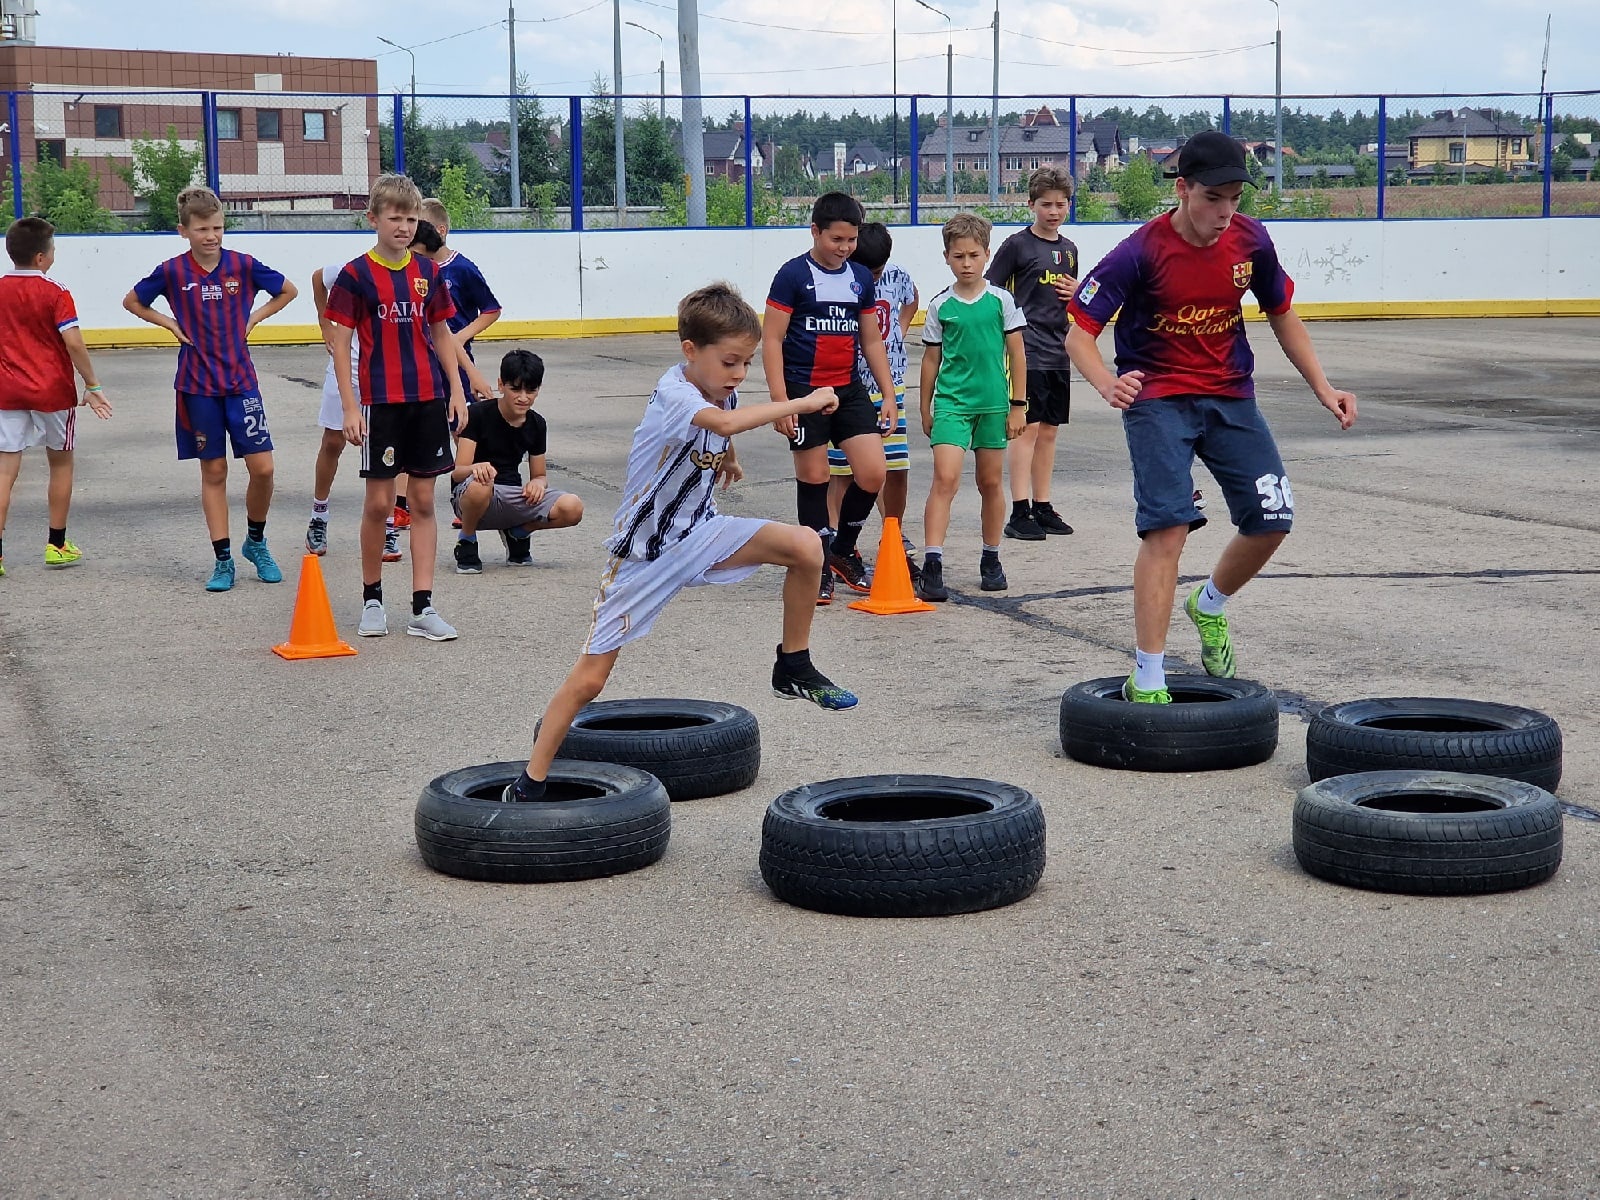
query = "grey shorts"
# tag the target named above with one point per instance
(507, 508)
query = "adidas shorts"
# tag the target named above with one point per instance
(633, 591)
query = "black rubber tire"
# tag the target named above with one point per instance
(1211, 725)
(1503, 834)
(695, 748)
(857, 847)
(602, 820)
(1428, 734)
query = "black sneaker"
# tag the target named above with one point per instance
(1024, 529)
(932, 585)
(467, 560)
(991, 578)
(519, 550)
(808, 683)
(916, 570)
(852, 570)
(1047, 519)
(825, 588)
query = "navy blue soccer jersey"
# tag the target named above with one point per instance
(469, 291)
(212, 308)
(824, 307)
(392, 308)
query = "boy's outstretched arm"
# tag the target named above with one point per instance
(272, 307)
(93, 396)
(727, 422)
(159, 319)
(1292, 335)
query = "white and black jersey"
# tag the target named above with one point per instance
(672, 472)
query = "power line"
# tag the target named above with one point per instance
(805, 29)
(1114, 50)
(1154, 62)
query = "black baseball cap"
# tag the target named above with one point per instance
(1211, 158)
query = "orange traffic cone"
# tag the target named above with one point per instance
(891, 578)
(311, 632)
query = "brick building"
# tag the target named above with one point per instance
(290, 131)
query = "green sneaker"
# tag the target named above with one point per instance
(1135, 695)
(1216, 647)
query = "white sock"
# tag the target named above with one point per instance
(1211, 600)
(319, 508)
(988, 549)
(1149, 671)
(934, 551)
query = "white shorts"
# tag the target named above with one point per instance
(331, 415)
(634, 591)
(20, 429)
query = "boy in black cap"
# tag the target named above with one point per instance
(1184, 385)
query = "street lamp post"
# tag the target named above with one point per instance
(1277, 170)
(616, 113)
(994, 116)
(663, 66)
(949, 106)
(407, 49)
(515, 115)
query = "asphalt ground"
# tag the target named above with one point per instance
(228, 974)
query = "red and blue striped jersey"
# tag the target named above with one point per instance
(212, 308)
(824, 307)
(393, 308)
(1180, 320)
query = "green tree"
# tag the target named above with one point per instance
(468, 205)
(1561, 165)
(540, 162)
(68, 197)
(599, 148)
(653, 158)
(159, 171)
(1138, 195)
(788, 171)
(1091, 207)
(724, 204)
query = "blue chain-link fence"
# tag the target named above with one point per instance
(106, 161)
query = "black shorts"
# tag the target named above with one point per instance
(854, 416)
(1048, 400)
(407, 439)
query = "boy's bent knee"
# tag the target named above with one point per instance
(567, 511)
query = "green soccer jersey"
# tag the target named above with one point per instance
(971, 336)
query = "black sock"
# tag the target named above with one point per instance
(527, 788)
(795, 660)
(256, 530)
(420, 601)
(400, 503)
(2, 547)
(990, 556)
(811, 503)
(223, 549)
(853, 512)
(1020, 509)
(372, 591)
(58, 537)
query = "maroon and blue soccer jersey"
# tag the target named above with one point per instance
(824, 307)
(469, 292)
(212, 308)
(1180, 320)
(392, 309)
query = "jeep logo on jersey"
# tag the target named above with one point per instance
(232, 286)
(1241, 274)
(420, 286)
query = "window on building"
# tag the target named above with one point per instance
(972, 135)
(314, 126)
(269, 125)
(51, 150)
(1035, 164)
(1516, 145)
(227, 124)
(1458, 152)
(107, 121)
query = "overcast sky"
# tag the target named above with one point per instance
(1127, 47)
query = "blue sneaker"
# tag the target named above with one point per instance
(221, 577)
(267, 569)
(810, 684)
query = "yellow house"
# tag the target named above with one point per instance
(1471, 137)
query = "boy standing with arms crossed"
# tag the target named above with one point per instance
(972, 336)
(410, 392)
(669, 535)
(210, 292)
(1039, 267)
(40, 345)
(1185, 387)
(810, 340)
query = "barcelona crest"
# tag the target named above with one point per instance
(1241, 274)
(420, 285)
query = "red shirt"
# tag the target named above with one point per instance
(35, 371)
(392, 309)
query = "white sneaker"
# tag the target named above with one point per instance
(429, 624)
(374, 621)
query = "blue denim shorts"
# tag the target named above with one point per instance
(1231, 437)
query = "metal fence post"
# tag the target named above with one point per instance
(914, 190)
(208, 111)
(14, 141)
(575, 159)
(1072, 158)
(749, 172)
(1549, 146)
(1227, 115)
(399, 134)
(1383, 153)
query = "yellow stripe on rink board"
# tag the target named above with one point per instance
(504, 331)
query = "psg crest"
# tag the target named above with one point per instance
(1241, 274)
